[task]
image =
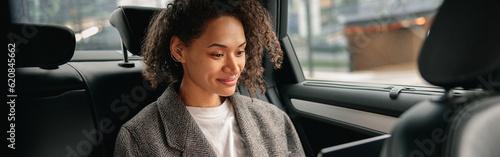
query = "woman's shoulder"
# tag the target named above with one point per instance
(150, 116)
(147, 117)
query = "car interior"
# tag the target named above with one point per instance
(73, 103)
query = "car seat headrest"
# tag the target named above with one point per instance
(463, 46)
(41, 45)
(132, 23)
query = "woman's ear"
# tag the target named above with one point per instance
(177, 49)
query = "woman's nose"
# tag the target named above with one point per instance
(232, 65)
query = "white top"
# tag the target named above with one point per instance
(219, 126)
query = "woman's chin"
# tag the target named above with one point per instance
(227, 92)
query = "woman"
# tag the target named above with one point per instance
(203, 49)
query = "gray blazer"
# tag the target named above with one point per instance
(166, 128)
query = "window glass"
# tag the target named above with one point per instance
(89, 19)
(374, 41)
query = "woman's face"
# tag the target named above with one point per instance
(214, 61)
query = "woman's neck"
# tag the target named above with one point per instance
(193, 95)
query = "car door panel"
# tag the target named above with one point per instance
(328, 113)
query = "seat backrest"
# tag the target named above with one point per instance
(461, 51)
(118, 93)
(53, 114)
(474, 130)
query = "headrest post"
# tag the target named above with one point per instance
(132, 23)
(125, 62)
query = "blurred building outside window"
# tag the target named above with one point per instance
(372, 41)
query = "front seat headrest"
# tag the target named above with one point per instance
(132, 23)
(41, 45)
(462, 48)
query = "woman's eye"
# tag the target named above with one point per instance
(239, 53)
(217, 55)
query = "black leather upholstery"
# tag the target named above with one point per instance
(42, 45)
(54, 116)
(61, 125)
(76, 108)
(412, 136)
(132, 23)
(423, 129)
(474, 131)
(118, 93)
(37, 82)
(461, 51)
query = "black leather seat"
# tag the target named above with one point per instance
(74, 108)
(461, 51)
(54, 116)
(118, 93)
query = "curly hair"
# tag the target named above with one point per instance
(188, 19)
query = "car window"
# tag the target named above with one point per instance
(373, 41)
(89, 19)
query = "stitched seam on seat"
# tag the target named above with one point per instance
(92, 108)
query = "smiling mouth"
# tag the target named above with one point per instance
(229, 81)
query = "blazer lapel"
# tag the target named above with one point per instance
(182, 132)
(196, 143)
(249, 129)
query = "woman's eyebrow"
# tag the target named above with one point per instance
(218, 45)
(243, 44)
(224, 46)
